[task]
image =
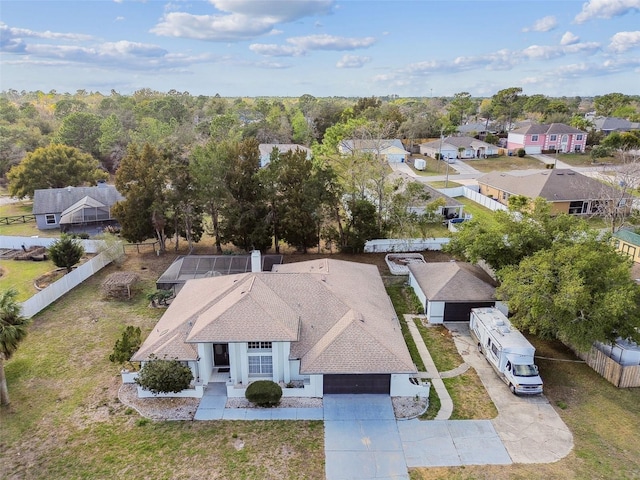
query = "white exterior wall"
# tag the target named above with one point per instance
(205, 364)
(402, 387)
(418, 291)
(435, 312)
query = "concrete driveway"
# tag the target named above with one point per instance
(361, 439)
(530, 429)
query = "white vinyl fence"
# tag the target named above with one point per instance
(46, 297)
(16, 243)
(404, 244)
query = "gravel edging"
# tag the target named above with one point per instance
(404, 408)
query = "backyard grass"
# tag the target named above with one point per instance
(20, 229)
(20, 275)
(477, 211)
(604, 420)
(585, 160)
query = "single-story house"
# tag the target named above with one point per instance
(556, 137)
(567, 191)
(458, 147)
(450, 208)
(481, 129)
(71, 207)
(627, 242)
(325, 324)
(390, 149)
(266, 149)
(609, 125)
(449, 290)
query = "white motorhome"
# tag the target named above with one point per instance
(506, 349)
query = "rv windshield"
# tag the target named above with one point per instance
(525, 370)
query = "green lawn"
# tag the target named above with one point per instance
(478, 211)
(503, 164)
(21, 275)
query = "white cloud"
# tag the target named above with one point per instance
(7, 32)
(330, 42)
(569, 39)
(239, 19)
(271, 50)
(301, 45)
(623, 41)
(544, 24)
(352, 61)
(547, 52)
(606, 9)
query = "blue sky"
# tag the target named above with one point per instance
(322, 47)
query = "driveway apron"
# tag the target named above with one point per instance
(361, 439)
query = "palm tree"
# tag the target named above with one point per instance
(13, 329)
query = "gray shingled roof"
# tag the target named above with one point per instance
(267, 148)
(336, 315)
(453, 281)
(613, 124)
(57, 200)
(558, 185)
(541, 129)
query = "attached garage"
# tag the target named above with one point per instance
(459, 312)
(354, 383)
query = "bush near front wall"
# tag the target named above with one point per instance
(264, 393)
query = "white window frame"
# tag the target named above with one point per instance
(260, 359)
(264, 364)
(553, 138)
(579, 137)
(50, 218)
(534, 138)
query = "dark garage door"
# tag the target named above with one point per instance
(373, 383)
(459, 312)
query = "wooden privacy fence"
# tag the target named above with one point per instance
(622, 376)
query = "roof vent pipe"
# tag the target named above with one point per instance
(256, 261)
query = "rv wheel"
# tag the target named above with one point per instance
(512, 388)
(479, 348)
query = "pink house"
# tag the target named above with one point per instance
(537, 138)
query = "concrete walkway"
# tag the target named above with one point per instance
(212, 407)
(446, 404)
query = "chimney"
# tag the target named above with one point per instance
(256, 261)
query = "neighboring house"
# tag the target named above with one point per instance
(458, 147)
(628, 243)
(449, 290)
(325, 324)
(567, 191)
(73, 207)
(450, 208)
(557, 137)
(472, 129)
(609, 125)
(391, 150)
(266, 149)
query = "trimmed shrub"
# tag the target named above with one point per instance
(521, 152)
(164, 376)
(264, 393)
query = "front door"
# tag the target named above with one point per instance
(220, 354)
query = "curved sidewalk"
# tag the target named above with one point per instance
(446, 404)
